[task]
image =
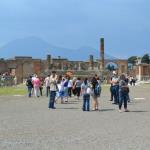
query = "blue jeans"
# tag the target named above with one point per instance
(29, 91)
(123, 98)
(115, 93)
(86, 102)
(52, 99)
(47, 91)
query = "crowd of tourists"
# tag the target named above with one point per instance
(59, 88)
(119, 90)
(7, 79)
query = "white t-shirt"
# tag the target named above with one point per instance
(85, 89)
(47, 81)
(70, 83)
(115, 80)
(60, 86)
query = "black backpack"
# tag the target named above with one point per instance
(97, 90)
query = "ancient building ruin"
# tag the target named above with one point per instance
(22, 66)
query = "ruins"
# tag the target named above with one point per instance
(22, 66)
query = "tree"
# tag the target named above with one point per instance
(146, 59)
(132, 60)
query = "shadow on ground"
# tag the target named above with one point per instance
(138, 111)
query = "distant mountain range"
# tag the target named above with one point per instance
(38, 48)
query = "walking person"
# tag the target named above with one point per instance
(60, 92)
(66, 81)
(53, 89)
(131, 80)
(36, 84)
(127, 82)
(41, 86)
(73, 87)
(29, 85)
(86, 91)
(123, 93)
(70, 85)
(47, 85)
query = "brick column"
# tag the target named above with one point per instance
(102, 54)
(91, 62)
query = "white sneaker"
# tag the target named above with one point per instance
(120, 110)
(126, 110)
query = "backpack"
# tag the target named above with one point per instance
(29, 83)
(124, 87)
(66, 84)
(97, 90)
(86, 88)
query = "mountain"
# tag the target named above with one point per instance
(38, 48)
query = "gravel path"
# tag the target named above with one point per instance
(27, 124)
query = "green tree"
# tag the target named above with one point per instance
(132, 60)
(146, 59)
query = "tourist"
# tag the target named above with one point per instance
(29, 85)
(47, 85)
(127, 82)
(78, 87)
(70, 85)
(73, 87)
(36, 84)
(86, 91)
(53, 89)
(41, 86)
(96, 91)
(60, 92)
(133, 81)
(123, 93)
(66, 81)
(115, 87)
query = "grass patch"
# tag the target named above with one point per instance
(105, 87)
(22, 90)
(19, 90)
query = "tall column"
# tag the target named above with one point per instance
(91, 62)
(79, 66)
(139, 59)
(48, 61)
(102, 54)
(140, 72)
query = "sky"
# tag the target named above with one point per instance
(124, 24)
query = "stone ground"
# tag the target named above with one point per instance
(27, 124)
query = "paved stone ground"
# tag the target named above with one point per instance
(27, 124)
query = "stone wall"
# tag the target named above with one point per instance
(25, 66)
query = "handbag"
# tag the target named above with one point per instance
(125, 89)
